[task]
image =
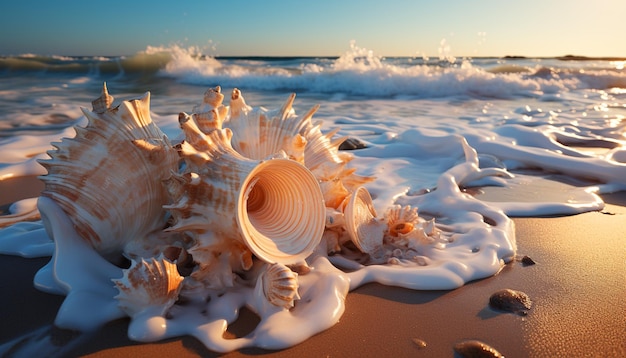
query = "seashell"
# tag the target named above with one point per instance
(260, 133)
(475, 348)
(280, 285)
(401, 220)
(107, 178)
(273, 206)
(322, 157)
(364, 229)
(511, 301)
(148, 284)
(419, 343)
(406, 228)
(211, 113)
(102, 103)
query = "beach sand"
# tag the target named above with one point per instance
(578, 288)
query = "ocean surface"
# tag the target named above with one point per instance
(556, 115)
(497, 137)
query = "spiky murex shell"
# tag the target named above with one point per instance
(107, 178)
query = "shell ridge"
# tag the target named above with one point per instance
(89, 175)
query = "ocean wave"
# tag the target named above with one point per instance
(358, 72)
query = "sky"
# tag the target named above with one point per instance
(316, 28)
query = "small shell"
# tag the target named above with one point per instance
(406, 228)
(280, 285)
(102, 103)
(212, 102)
(474, 348)
(146, 284)
(364, 229)
(401, 219)
(107, 179)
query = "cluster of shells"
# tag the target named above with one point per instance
(246, 188)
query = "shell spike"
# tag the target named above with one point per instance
(308, 115)
(337, 142)
(287, 108)
(332, 133)
(102, 103)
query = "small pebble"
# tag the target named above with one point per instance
(420, 343)
(508, 300)
(352, 144)
(527, 261)
(476, 349)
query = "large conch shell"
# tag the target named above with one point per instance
(259, 133)
(273, 206)
(108, 178)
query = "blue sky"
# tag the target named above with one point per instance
(316, 28)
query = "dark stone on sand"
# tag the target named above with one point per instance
(352, 144)
(527, 261)
(476, 349)
(512, 301)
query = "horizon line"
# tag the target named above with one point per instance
(566, 57)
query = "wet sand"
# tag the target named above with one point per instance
(578, 288)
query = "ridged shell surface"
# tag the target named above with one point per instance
(108, 178)
(280, 285)
(361, 224)
(259, 133)
(150, 283)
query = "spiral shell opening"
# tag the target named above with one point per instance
(281, 211)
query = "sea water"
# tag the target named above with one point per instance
(469, 142)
